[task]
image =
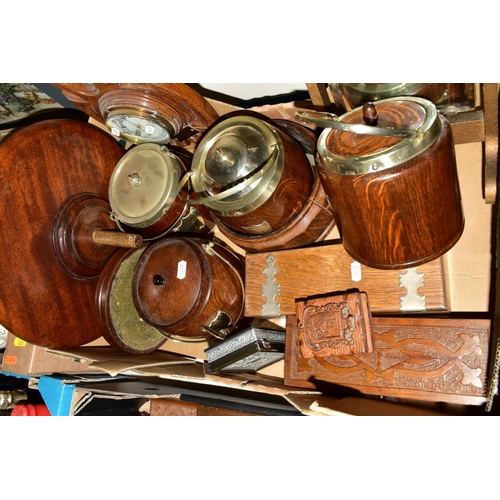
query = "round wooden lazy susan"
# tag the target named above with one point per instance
(43, 166)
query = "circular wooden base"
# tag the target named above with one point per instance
(44, 165)
(72, 233)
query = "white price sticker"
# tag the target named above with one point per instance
(181, 269)
(356, 271)
(149, 129)
(115, 131)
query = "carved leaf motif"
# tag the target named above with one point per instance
(303, 364)
(470, 346)
(446, 359)
(470, 375)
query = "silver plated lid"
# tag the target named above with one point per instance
(144, 184)
(237, 165)
(376, 91)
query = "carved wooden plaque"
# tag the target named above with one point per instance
(430, 359)
(335, 324)
(274, 280)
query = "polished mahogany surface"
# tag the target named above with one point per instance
(42, 166)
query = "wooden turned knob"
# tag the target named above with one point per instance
(370, 114)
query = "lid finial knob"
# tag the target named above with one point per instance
(370, 114)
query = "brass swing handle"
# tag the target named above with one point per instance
(234, 188)
(329, 120)
(117, 239)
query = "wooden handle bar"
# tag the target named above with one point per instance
(117, 239)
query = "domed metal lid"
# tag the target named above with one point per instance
(144, 184)
(401, 128)
(376, 91)
(237, 165)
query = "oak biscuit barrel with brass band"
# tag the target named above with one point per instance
(259, 184)
(189, 288)
(392, 185)
(144, 193)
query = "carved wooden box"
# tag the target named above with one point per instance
(431, 359)
(335, 324)
(274, 280)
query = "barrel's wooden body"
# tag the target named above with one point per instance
(312, 224)
(287, 199)
(402, 216)
(179, 287)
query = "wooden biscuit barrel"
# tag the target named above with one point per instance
(389, 171)
(144, 193)
(189, 287)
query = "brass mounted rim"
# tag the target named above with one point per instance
(403, 151)
(144, 185)
(251, 196)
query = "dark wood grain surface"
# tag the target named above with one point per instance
(402, 216)
(311, 225)
(177, 102)
(41, 167)
(429, 359)
(327, 268)
(178, 286)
